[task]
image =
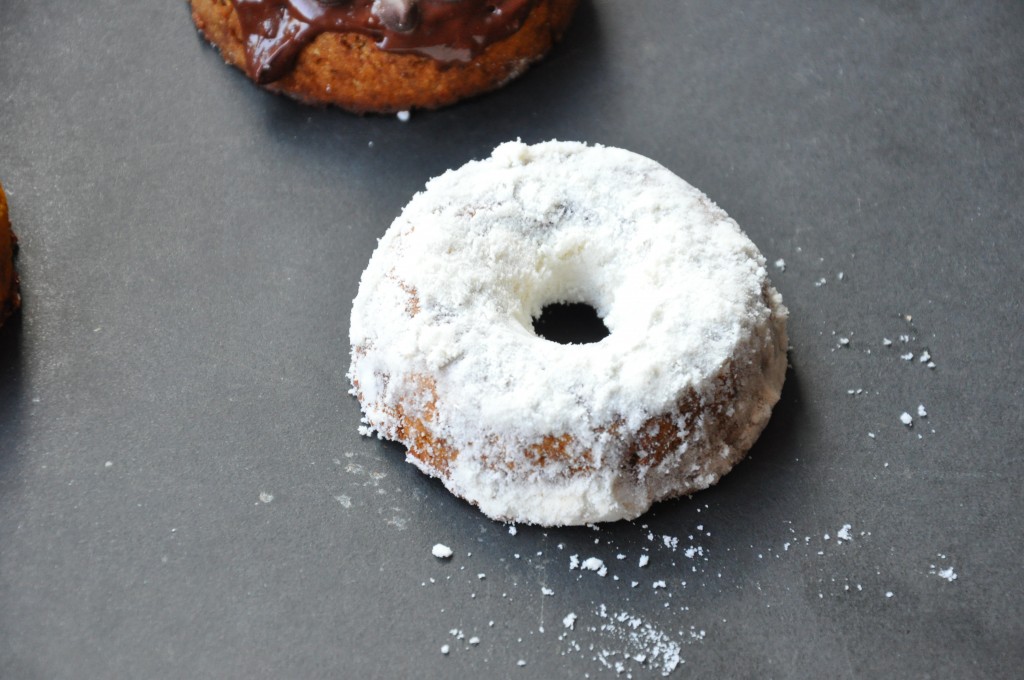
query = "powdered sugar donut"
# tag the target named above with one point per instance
(445, 358)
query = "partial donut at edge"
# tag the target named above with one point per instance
(349, 71)
(10, 287)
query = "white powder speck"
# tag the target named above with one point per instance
(925, 357)
(445, 649)
(921, 412)
(441, 551)
(574, 562)
(644, 559)
(909, 356)
(634, 584)
(547, 591)
(887, 342)
(946, 573)
(594, 564)
(474, 640)
(871, 434)
(844, 533)
(403, 116)
(521, 663)
(658, 584)
(840, 276)
(906, 419)
(844, 342)
(512, 530)
(108, 464)
(569, 621)
(266, 497)
(888, 593)
(780, 264)
(344, 501)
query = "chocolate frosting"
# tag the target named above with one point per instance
(448, 31)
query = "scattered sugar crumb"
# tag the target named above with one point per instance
(569, 621)
(844, 342)
(594, 564)
(844, 533)
(445, 649)
(888, 593)
(441, 551)
(512, 530)
(403, 116)
(547, 591)
(344, 501)
(474, 640)
(658, 584)
(266, 497)
(109, 463)
(906, 419)
(644, 559)
(780, 264)
(574, 562)
(521, 662)
(921, 412)
(887, 342)
(909, 356)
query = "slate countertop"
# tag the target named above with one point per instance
(183, 492)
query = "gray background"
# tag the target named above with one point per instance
(190, 249)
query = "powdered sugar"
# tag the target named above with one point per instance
(443, 324)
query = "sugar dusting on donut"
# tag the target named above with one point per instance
(446, 361)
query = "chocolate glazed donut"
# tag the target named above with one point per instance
(382, 55)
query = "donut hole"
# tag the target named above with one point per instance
(570, 323)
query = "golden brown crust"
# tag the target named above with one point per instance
(349, 71)
(10, 296)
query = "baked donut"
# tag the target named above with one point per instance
(10, 296)
(445, 360)
(382, 55)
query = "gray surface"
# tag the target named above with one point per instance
(190, 248)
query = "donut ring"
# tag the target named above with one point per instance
(445, 359)
(337, 52)
(10, 289)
